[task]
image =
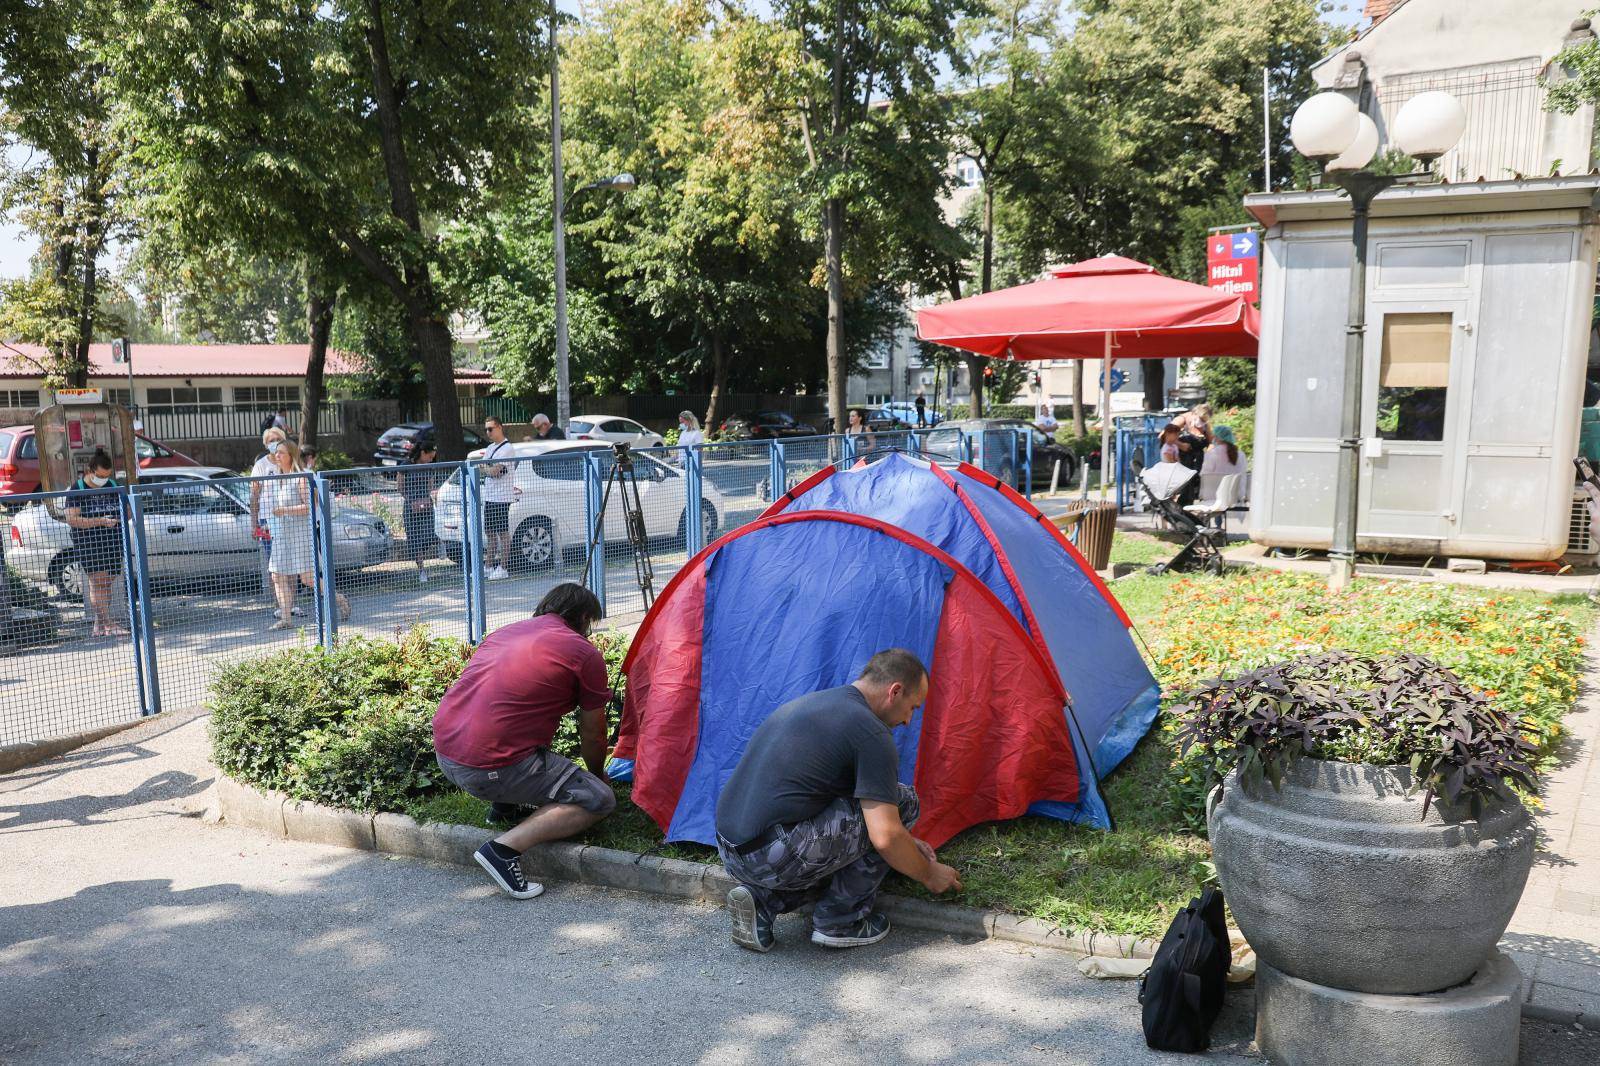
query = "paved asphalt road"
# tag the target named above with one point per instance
(133, 932)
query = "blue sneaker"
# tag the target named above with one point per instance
(507, 873)
(751, 928)
(869, 930)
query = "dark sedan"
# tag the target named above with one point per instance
(1046, 451)
(400, 443)
(764, 425)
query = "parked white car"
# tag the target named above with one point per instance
(548, 517)
(197, 528)
(612, 428)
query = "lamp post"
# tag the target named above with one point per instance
(1330, 130)
(622, 183)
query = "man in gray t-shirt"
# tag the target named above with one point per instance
(815, 810)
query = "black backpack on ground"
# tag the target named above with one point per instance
(1183, 989)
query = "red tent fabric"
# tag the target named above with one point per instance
(1068, 316)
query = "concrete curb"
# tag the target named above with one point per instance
(21, 756)
(396, 834)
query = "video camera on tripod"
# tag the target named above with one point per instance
(623, 477)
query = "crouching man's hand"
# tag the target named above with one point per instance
(940, 878)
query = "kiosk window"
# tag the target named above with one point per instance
(1415, 376)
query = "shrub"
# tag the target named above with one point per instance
(1229, 382)
(351, 727)
(1386, 710)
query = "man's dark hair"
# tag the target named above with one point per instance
(487, 422)
(576, 605)
(896, 664)
(101, 460)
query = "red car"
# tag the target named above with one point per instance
(19, 459)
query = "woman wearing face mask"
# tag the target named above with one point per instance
(689, 433)
(287, 502)
(95, 519)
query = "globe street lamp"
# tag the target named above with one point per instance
(622, 183)
(1330, 130)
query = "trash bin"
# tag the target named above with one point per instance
(1095, 522)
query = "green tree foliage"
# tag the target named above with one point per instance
(353, 123)
(1229, 382)
(61, 175)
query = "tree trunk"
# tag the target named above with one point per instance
(88, 295)
(65, 269)
(1155, 384)
(833, 229)
(975, 375)
(319, 323)
(1080, 425)
(414, 285)
(719, 381)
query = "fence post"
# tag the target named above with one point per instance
(847, 448)
(136, 577)
(913, 443)
(966, 445)
(1122, 441)
(322, 537)
(592, 481)
(777, 470)
(694, 530)
(1024, 439)
(472, 550)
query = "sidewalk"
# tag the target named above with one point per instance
(1555, 935)
(132, 931)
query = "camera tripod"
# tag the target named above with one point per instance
(623, 478)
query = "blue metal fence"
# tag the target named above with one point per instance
(194, 572)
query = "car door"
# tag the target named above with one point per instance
(173, 535)
(633, 433)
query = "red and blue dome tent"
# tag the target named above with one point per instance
(899, 552)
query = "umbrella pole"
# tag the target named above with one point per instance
(1105, 417)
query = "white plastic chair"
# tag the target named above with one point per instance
(1230, 493)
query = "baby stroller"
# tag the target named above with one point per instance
(1163, 484)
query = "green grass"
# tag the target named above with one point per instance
(1132, 880)
(1140, 549)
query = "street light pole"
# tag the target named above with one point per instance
(1329, 129)
(1362, 185)
(558, 201)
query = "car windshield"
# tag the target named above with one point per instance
(239, 490)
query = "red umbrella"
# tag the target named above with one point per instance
(1070, 315)
(1108, 308)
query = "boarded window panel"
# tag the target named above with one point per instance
(1416, 351)
(1315, 277)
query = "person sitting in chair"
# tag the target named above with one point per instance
(815, 809)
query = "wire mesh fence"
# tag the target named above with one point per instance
(405, 578)
(737, 480)
(193, 568)
(68, 616)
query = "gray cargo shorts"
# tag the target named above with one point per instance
(541, 778)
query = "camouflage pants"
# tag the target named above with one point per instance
(827, 858)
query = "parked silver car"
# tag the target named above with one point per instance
(548, 517)
(197, 528)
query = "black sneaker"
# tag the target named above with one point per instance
(507, 873)
(751, 928)
(506, 814)
(869, 930)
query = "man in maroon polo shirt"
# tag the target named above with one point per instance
(493, 730)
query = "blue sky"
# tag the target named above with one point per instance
(16, 246)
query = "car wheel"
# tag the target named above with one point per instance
(533, 545)
(67, 575)
(708, 521)
(1008, 475)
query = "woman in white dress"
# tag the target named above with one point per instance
(287, 503)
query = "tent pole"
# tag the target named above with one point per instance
(1105, 418)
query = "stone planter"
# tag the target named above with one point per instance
(1339, 879)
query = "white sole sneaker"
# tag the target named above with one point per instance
(534, 887)
(829, 941)
(742, 911)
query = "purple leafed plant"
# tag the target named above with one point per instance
(1388, 710)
